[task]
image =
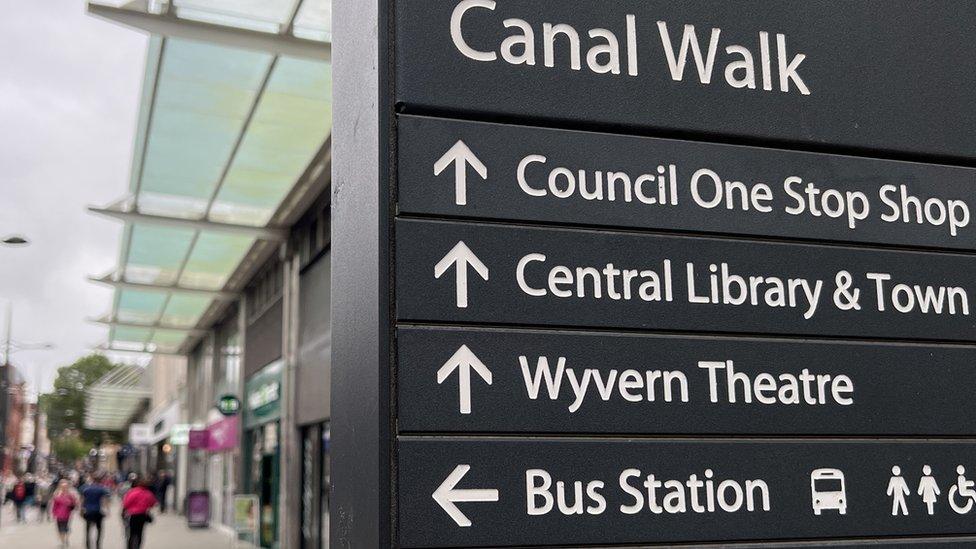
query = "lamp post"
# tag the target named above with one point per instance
(11, 241)
(14, 240)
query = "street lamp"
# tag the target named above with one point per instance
(14, 240)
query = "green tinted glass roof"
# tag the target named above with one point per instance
(224, 136)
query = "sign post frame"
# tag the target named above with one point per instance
(363, 501)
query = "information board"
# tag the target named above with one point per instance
(645, 272)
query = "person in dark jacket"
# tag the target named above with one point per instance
(163, 482)
(18, 496)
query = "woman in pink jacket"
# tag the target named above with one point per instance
(62, 505)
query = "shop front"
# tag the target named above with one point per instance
(262, 413)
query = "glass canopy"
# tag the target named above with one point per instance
(116, 397)
(224, 136)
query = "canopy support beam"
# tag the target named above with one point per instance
(273, 234)
(118, 282)
(149, 326)
(172, 26)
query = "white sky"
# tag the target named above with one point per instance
(69, 95)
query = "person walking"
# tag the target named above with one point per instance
(62, 505)
(135, 508)
(30, 488)
(18, 496)
(43, 499)
(94, 501)
(163, 482)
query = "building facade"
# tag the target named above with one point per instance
(225, 256)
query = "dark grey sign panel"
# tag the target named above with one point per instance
(526, 381)
(865, 74)
(503, 492)
(503, 172)
(479, 273)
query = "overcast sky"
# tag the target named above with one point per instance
(69, 96)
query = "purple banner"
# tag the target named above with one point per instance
(223, 434)
(199, 439)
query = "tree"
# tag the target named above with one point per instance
(65, 407)
(69, 448)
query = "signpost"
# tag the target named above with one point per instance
(645, 273)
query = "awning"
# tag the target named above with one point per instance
(229, 140)
(113, 400)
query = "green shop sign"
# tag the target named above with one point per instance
(262, 396)
(229, 405)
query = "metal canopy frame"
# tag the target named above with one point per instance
(115, 398)
(116, 280)
(133, 215)
(167, 24)
(142, 350)
(149, 326)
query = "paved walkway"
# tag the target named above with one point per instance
(166, 532)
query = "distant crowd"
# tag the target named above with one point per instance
(56, 498)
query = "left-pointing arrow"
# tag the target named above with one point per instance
(464, 360)
(463, 257)
(447, 495)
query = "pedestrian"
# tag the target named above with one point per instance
(163, 482)
(18, 496)
(94, 501)
(62, 505)
(43, 499)
(135, 508)
(30, 489)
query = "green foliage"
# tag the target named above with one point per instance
(65, 407)
(69, 448)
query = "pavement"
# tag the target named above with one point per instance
(166, 532)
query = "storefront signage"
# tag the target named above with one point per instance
(199, 439)
(646, 272)
(229, 405)
(180, 434)
(263, 395)
(266, 394)
(140, 434)
(223, 435)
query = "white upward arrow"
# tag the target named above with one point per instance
(446, 495)
(463, 257)
(461, 156)
(464, 361)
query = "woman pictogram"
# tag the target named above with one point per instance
(928, 489)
